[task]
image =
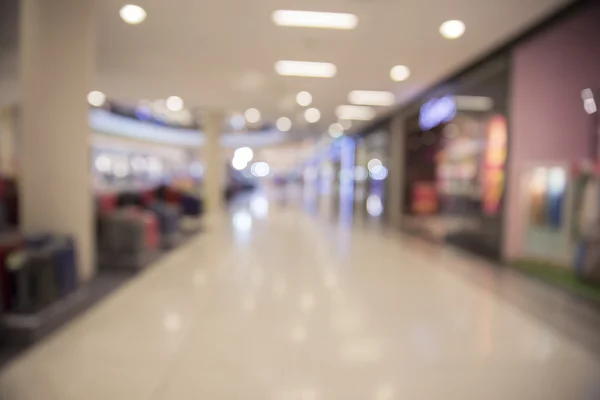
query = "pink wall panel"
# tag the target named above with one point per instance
(548, 122)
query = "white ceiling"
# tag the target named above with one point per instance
(220, 54)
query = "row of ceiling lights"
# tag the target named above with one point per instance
(361, 100)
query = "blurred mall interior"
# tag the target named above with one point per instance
(299, 200)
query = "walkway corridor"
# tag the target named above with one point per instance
(282, 305)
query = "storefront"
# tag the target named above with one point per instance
(456, 142)
(371, 174)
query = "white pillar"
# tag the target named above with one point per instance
(213, 186)
(56, 71)
(396, 177)
(7, 141)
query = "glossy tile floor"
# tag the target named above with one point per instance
(280, 304)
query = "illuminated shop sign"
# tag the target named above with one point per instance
(437, 111)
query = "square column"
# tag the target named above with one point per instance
(56, 69)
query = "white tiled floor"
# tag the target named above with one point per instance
(287, 306)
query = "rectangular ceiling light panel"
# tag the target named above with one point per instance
(312, 19)
(306, 68)
(356, 113)
(371, 98)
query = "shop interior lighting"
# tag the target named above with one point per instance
(355, 113)
(252, 115)
(175, 103)
(474, 103)
(305, 68)
(96, 98)
(371, 98)
(284, 124)
(312, 115)
(314, 19)
(336, 130)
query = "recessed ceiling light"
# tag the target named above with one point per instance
(312, 115)
(336, 130)
(371, 98)
(175, 103)
(284, 124)
(252, 115)
(312, 19)
(400, 73)
(358, 113)
(452, 29)
(132, 14)
(96, 98)
(306, 68)
(304, 99)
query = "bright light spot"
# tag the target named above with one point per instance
(312, 115)
(242, 221)
(374, 205)
(371, 98)
(96, 98)
(336, 130)
(314, 19)
(259, 206)
(360, 173)
(356, 113)
(304, 99)
(298, 334)
(252, 115)
(103, 164)
(400, 73)
(175, 103)
(237, 122)
(154, 166)
(379, 174)
(307, 302)
(374, 165)
(452, 29)
(305, 68)
(132, 14)
(260, 169)
(284, 124)
(172, 322)
(239, 163)
(139, 164)
(244, 153)
(589, 104)
(120, 168)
